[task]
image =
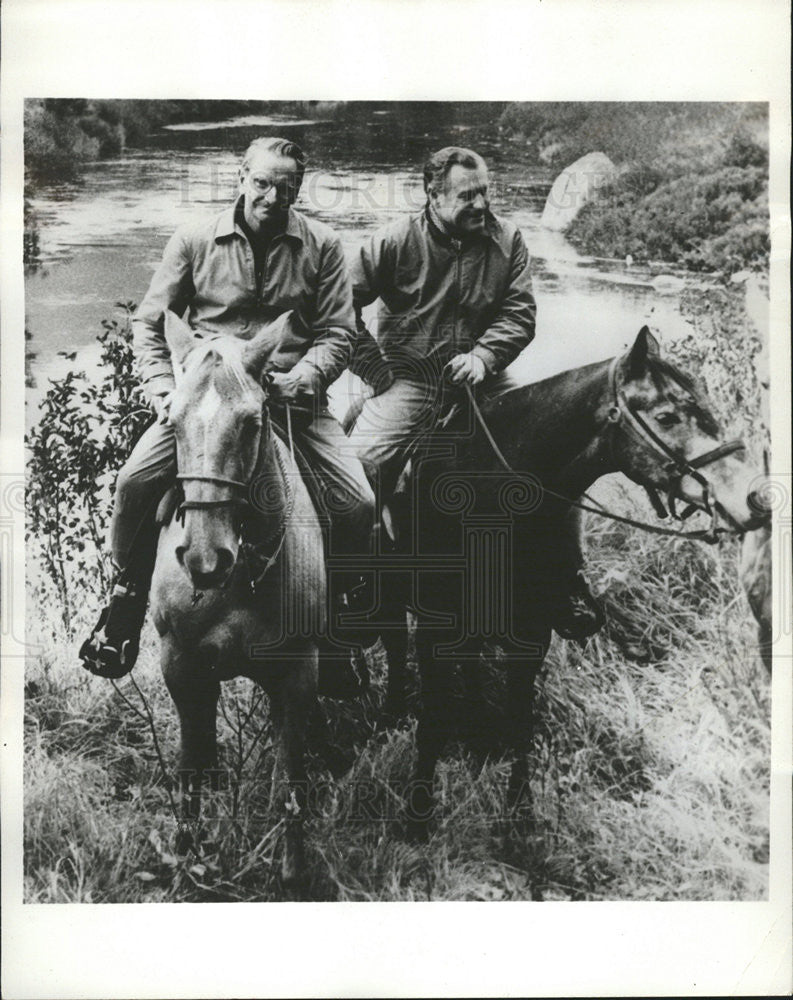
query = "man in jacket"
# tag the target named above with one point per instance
(456, 305)
(256, 261)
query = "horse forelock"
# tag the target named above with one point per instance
(663, 372)
(226, 350)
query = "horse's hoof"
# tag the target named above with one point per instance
(579, 622)
(185, 840)
(294, 877)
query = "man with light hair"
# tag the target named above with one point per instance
(456, 306)
(258, 260)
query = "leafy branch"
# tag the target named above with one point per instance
(87, 426)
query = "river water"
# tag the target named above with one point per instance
(100, 239)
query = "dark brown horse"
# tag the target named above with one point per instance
(488, 507)
(213, 621)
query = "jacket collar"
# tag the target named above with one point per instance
(493, 230)
(227, 224)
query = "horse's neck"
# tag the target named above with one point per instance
(270, 487)
(553, 428)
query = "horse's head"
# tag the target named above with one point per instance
(219, 420)
(666, 438)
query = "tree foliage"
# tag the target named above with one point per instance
(61, 134)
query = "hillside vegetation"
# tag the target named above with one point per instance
(692, 187)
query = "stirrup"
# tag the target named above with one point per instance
(112, 648)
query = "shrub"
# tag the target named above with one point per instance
(83, 437)
(716, 221)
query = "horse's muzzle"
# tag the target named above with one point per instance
(207, 571)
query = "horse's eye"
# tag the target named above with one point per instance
(668, 418)
(251, 426)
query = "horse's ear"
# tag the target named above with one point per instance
(645, 346)
(259, 349)
(178, 336)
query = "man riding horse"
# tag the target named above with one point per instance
(257, 261)
(456, 307)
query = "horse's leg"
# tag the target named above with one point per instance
(431, 735)
(395, 641)
(195, 693)
(520, 718)
(522, 671)
(292, 698)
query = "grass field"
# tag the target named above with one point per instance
(650, 766)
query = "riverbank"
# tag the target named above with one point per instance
(63, 134)
(692, 179)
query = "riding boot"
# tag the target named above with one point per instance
(112, 648)
(577, 615)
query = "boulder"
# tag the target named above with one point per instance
(574, 187)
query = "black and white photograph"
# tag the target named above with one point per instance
(406, 513)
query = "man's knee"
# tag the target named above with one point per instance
(150, 468)
(351, 501)
(133, 485)
(126, 485)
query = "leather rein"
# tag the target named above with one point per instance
(675, 465)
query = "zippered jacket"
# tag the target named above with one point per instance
(208, 274)
(440, 297)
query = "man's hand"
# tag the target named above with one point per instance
(284, 387)
(465, 368)
(162, 406)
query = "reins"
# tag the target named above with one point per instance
(676, 467)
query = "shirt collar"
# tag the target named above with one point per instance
(227, 224)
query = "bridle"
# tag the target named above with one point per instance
(258, 559)
(230, 501)
(676, 467)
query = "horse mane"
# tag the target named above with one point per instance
(507, 384)
(228, 350)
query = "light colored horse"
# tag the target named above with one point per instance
(216, 621)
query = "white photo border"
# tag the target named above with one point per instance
(408, 50)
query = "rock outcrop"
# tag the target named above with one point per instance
(574, 187)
